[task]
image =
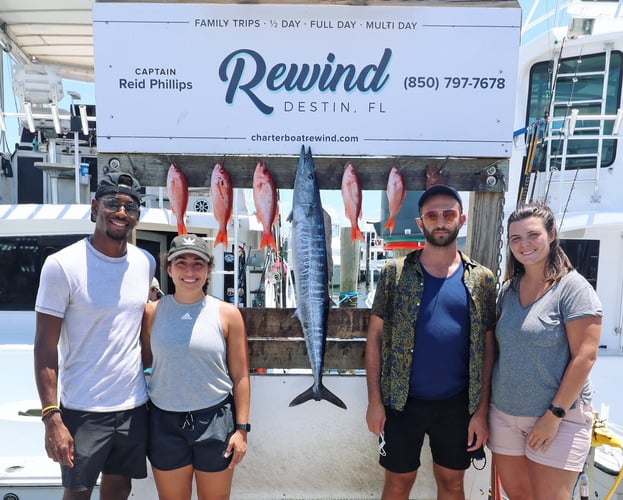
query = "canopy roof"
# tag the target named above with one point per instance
(58, 32)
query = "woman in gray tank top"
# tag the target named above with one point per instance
(199, 387)
(548, 329)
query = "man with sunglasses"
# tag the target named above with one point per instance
(89, 308)
(429, 354)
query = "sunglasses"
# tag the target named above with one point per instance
(450, 216)
(113, 204)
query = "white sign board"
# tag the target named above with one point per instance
(346, 80)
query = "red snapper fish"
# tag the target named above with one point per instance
(265, 199)
(177, 187)
(222, 195)
(351, 194)
(396, 193)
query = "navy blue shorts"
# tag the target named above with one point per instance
(198, 438)
(445, 421)
(108, 442)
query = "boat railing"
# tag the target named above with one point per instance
(602, 435)
(564, 130)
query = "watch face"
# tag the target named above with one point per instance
(557, 411)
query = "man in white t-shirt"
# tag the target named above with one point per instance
(89, 309)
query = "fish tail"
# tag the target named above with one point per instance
(268, 239)
(181, 228)
(323, 393)
(356, 234)
(221, 237)
(390, 224)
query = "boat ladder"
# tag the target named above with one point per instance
(571, 145)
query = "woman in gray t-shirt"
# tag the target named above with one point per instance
(548, 330)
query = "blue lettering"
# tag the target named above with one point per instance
(323, 84)
(247, 88)
(349, 72)
(276, 72)
(304, 77)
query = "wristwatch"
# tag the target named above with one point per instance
(243, 427)
(557, 411)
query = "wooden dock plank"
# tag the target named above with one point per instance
(291, 353)
(276, 339)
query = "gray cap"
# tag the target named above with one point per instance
(190, 243)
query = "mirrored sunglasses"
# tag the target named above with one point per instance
(431, 216)
(131, 208)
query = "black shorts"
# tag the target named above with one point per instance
(444, 421)
(108, 442)
(198, 438)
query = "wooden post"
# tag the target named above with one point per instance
(483, 223)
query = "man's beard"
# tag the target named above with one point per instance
(117, 236)
(441, 240)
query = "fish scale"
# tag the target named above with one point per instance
(310, 274)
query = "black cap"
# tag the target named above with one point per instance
(119, 182)
(439, 189)
(189, 243)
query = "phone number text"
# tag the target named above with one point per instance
(454, 82)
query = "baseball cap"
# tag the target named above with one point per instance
(189, 243)
(119, 182)
(439, 189)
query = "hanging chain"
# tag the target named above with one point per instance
(500, 234)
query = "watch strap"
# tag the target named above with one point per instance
(557, 411)
(243, 427)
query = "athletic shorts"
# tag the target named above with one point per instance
(445, 421)
(568, 450)
(109, 442)
(198, 438)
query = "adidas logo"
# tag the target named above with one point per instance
(186, 316)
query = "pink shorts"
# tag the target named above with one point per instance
(568, 450)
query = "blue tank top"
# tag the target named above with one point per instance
(441, 351)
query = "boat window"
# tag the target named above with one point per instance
(21, 258)
(579, 84)
(584, 255)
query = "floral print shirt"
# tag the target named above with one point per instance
(397, 299)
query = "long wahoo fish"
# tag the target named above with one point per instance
(309, 250)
